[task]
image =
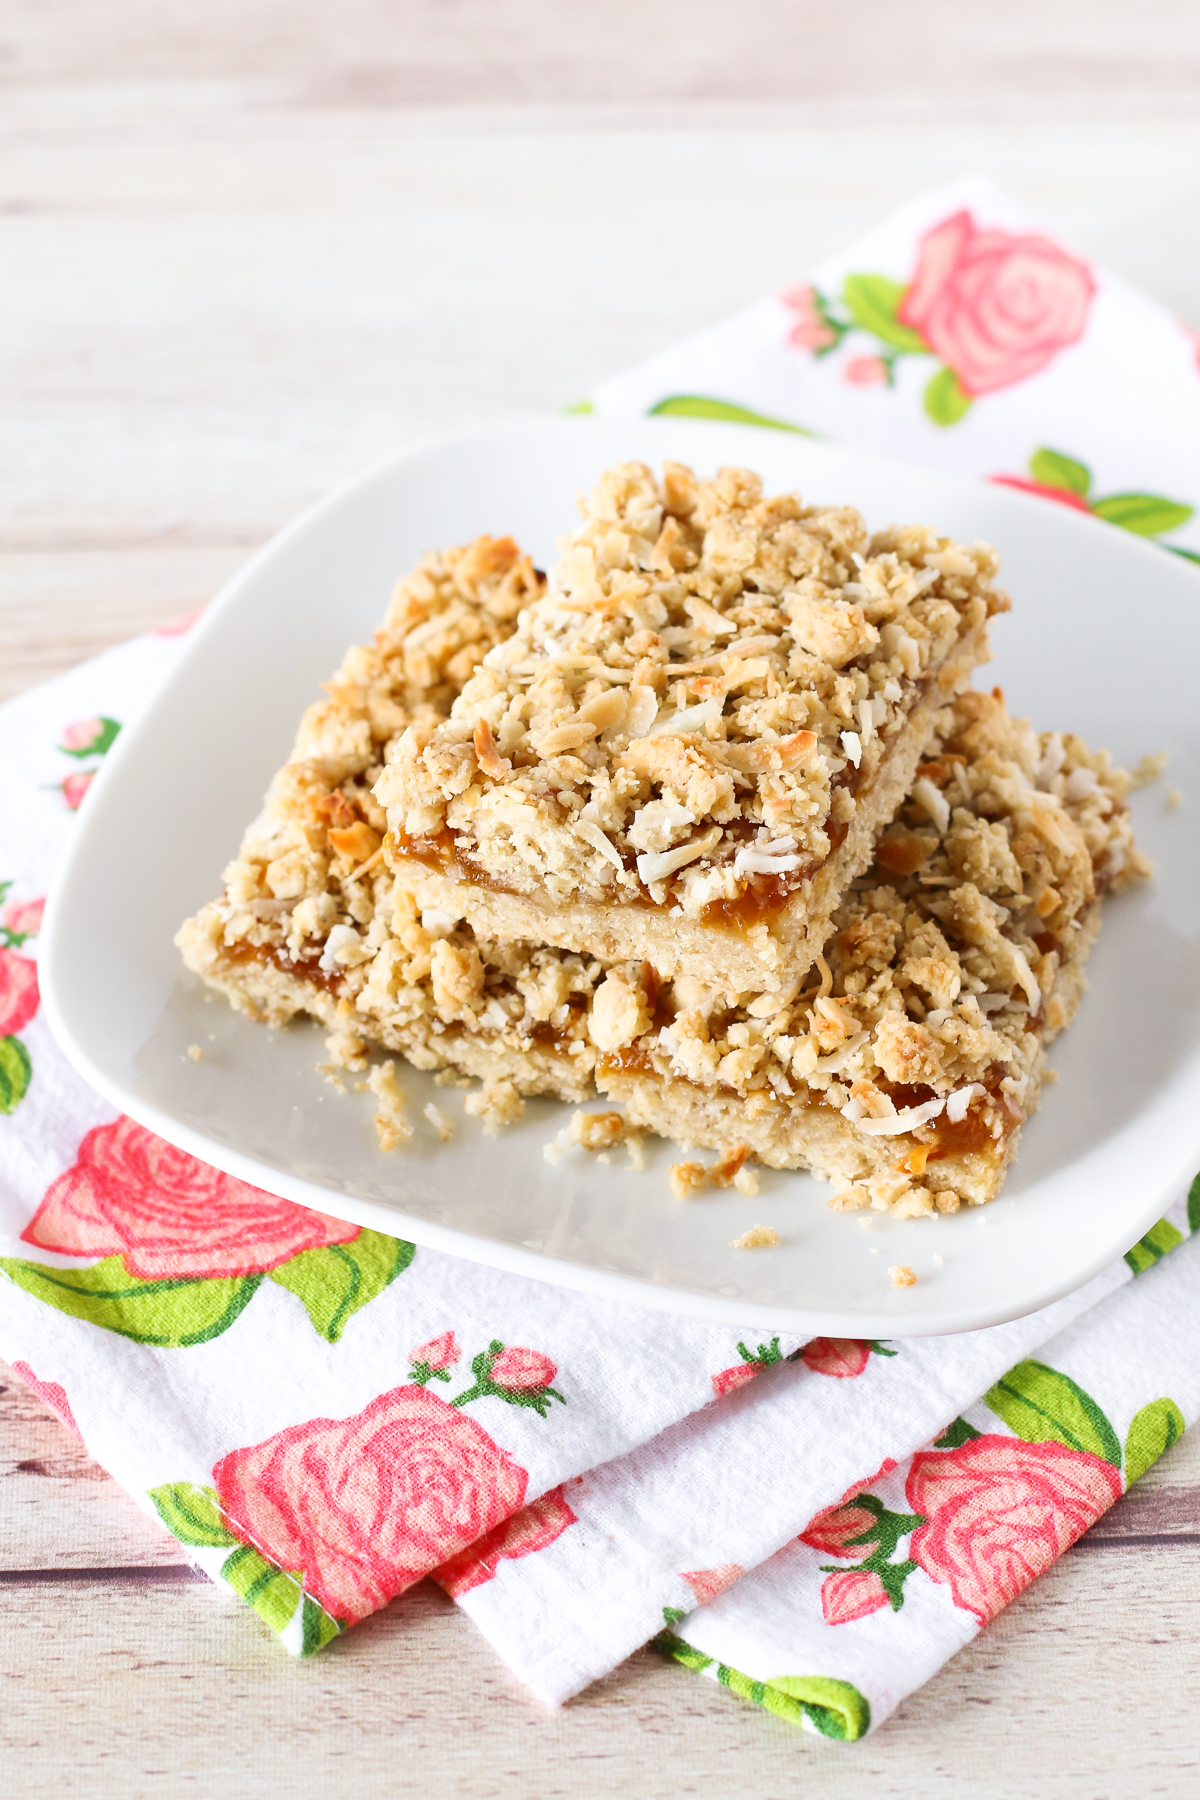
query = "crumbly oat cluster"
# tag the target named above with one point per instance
(937, 989)
(694, 703)
(308, 897)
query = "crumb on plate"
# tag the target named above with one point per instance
(687, 1179)
(497, 1103)
(1148, 769)
(195, 1052)
(390, 1123)
(442, 1123)
(759, 1237)
(900, 1275)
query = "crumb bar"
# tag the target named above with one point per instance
(687, 748)
(907, 1070)
(307, 921)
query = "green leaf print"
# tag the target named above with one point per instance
(1055, 470)
(1153, 1430)
(1194, 1206)
(16, 1072)
(1161, 1238)
(193, 1515)
(957, 1432)
(334, 1282)
(1041, 1405)
(1149, 515)
(697, 406)
(945, 402)
(835, 1708)
(272, 1592)
(170, 1313)
(873, 302)
(320, 1627)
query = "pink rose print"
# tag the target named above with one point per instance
(1000, 1511)
(438, 1355)
(753, 1362)
(866, 371)
(832, 1530)
(51, 1394)
(995, 306)
(538, 1526)
(843, 1358)
(83, 734)
(168, 1215)
(522, 1371)
(729, 1380)
(810, 329)
(23, 917)
(18, 992)
(706, 1584)
(74, 787)
(365, 1506)
(851, 1594)
(89, 737)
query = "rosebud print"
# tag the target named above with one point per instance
(522, 1371)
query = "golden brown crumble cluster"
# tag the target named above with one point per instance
(943, 957)
(309, 878)
(708, 680)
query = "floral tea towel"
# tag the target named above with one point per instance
(961, 335)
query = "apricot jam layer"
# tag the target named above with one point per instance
(306, 968)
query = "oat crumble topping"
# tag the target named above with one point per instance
(693, 703)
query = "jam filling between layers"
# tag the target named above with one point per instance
(763, 897)
(941, 1137)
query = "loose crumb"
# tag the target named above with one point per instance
(727, 1169)
(330, 1072)
(690, 1178)
(1174, 799)
(442, 1123)
(901, 1275)
(1148, 769)
(759, 1237)
(195, 1052)
(497, 1103)
(634, 1151)
(687, 1179)
(390, 1122)
(451, 1078)
(346, 1051)
(598, 1131)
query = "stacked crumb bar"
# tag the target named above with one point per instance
(709, 822)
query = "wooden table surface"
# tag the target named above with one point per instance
(247, 248)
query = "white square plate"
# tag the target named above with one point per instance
(1102, 639)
